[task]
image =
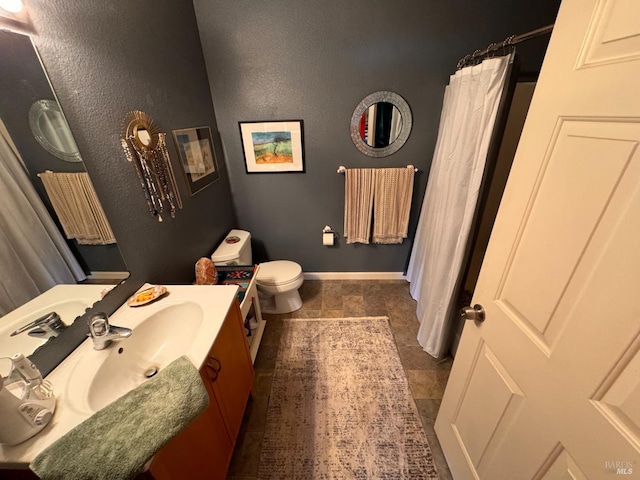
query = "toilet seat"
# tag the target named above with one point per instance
(278, 273)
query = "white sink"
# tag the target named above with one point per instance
(68, 301)
(158, 340)
(183, 323)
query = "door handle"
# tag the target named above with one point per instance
(214, 359)
(475, 313)
(213, 371)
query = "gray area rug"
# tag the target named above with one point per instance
(340, 406)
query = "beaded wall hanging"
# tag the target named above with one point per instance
(145, 146)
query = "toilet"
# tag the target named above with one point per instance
(279, 279)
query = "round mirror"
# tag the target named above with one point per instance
(381, 124)
(50, 129)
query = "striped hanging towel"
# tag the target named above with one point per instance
(75, 202)
(358, 202)
(393, 188)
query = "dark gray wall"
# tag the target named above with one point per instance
(23, 82)
(105, 59)
(315, 61)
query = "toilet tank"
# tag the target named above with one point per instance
(235, 249)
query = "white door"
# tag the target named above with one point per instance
(548, 387)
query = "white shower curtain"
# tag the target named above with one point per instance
(33, 254)
(468, 116)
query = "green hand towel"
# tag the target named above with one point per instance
(117, 441)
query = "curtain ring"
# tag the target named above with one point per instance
(506, 42)
(475, 57)
(463, 61)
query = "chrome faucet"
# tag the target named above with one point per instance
(46, 326)
(103, 333)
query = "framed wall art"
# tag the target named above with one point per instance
(197, 157)
(273, 147)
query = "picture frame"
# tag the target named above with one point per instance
(197, 157)
(273, 146)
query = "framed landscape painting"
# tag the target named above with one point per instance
(273, 147)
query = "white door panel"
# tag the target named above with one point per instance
(490, 389)
(613, 36)
(548, 387)
(560, 466)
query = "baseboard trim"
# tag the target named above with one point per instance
(354, 276)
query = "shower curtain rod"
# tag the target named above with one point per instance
(509, 41)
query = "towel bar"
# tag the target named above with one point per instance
(342, 168)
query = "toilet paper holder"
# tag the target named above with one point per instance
(327, 230)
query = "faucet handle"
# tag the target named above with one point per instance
(99, 324)
(50, 323)
(103, 333)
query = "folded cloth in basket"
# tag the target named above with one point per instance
(117, 441)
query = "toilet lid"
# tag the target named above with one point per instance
(278, 271)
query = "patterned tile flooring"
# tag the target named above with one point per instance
(345, 298)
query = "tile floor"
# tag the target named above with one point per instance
(344, 298)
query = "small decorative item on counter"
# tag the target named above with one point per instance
(146, 296)
(206, 272)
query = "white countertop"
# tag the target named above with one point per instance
(215, 301)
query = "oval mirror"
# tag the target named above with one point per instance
(50, 129)
(142, 134)
(381, 124)
(141, 130)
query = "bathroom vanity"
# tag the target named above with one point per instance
(205, 323)
(204, 449)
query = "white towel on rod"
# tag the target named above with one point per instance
(75, 202)
(358, 203)
(393, 189)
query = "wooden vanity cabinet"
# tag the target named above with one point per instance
(204, 448)
(232, 384)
